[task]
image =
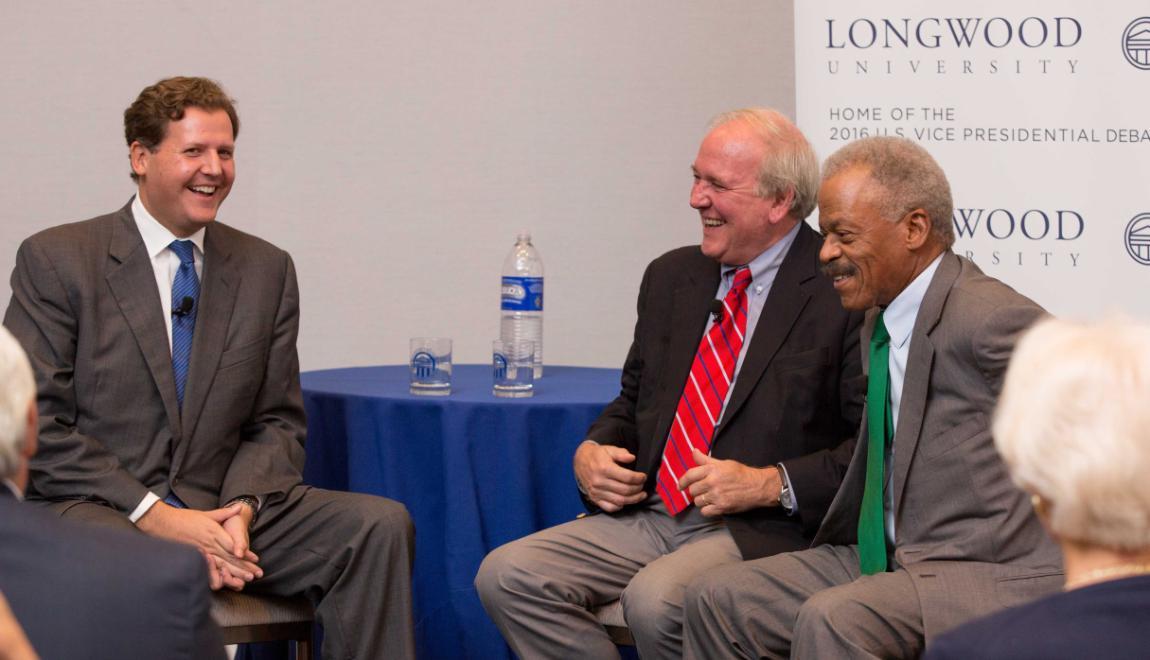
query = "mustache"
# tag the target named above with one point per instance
(836, 268)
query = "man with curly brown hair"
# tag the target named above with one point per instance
(164, 346)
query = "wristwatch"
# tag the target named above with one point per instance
(250, 501)
(786, 497)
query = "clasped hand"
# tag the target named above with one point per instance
(221, 536)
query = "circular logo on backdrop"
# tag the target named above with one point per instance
(1136, 43)
(1138, 238)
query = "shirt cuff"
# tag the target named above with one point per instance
(143, 507)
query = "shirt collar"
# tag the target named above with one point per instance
(769, 260)
(156, 236)
(900, 314)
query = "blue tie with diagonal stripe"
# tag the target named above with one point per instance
(185, 301)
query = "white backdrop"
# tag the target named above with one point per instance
(395, 148)
(1036, 109)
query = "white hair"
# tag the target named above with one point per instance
(789, 162)
(1073, 424)
(17, 391)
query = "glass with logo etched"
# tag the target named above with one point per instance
(430, 361)
(513, 368)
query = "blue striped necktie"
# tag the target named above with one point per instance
(185, 302)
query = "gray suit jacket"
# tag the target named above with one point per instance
(968, 537)
(80, 591)
(86, 309)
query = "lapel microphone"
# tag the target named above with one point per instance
(716, 310)
(185, 307)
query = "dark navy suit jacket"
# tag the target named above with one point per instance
(85, 592)
(1104, 620)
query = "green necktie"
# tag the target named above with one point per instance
(880, 430)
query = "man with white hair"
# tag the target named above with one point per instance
(740, 397)
(80, 591)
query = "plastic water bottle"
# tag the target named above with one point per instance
(521, 308)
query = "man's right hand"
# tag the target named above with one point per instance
(600, 472)
(204, 530)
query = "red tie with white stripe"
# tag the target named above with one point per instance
(701, 405)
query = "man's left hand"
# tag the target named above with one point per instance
(237, 528)
(721, 486)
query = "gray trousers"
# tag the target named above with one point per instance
(348, 552)
(540, 589)
(810, 604)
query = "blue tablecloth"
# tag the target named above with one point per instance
(475, 471)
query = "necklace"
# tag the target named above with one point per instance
(1107, 573)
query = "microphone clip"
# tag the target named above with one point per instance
(184, 308)
(717, 310)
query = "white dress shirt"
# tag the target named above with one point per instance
(165, 263)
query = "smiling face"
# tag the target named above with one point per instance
(190, 173)
(870, 258)
(738, 224)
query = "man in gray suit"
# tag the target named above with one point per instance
(79, 591)
(941, 535)
(164, 345)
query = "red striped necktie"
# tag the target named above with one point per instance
(701, 405)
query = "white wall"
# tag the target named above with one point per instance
(395, 148)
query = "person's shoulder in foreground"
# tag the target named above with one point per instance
(79, 590)
(84, 591)
(1105, 620)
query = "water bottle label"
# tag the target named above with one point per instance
(523, 294)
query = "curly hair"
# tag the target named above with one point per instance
(909, 176)
(146, 120)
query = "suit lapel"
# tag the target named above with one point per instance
(920, 359)
(132, 281)
(690, 305)
(785, 302)
(217, 300)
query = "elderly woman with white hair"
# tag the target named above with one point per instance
(1073, 424)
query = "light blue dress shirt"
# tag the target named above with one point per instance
(899, 317)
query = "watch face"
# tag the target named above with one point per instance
(785, 498)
